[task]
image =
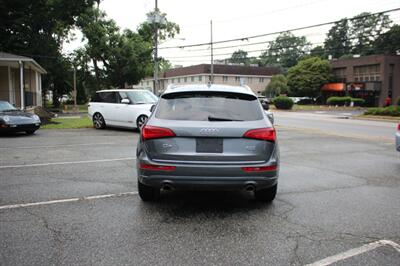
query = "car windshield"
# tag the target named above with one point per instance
(138, 97)
(6, 106)
(209, 106)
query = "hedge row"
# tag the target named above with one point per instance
(384, 111)
(341, 101)
(283, 102)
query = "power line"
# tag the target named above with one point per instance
(308, 44)
(279, 32)
(364, 49)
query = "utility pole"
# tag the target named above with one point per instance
(212, 56)
(155, 82)
(75, 92)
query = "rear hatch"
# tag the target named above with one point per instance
(209, 127)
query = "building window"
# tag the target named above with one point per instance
(185, 79)
(339, 74)
(173, 80)
(147, 83)
(365, 73)
(237, 79)
(261, 80)
(249, 80)
(179, 80)
(192, 79)
(200, 78)
(225, 78)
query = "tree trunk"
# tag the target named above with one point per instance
(97, 74)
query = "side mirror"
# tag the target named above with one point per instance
(152, 108)
(125, 101)
(265, 106)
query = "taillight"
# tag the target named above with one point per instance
(267, 133)
(260, 169)
(150, 132)
(156, 167)
(398, 127)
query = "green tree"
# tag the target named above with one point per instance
(118, 58)
(366, 28)
(318, 51)
(166, 29)
(101, 35)
(338, 42)
(38, 28)
(307, 77)
(128, 60)
(163, 64)
(239, 57)
(285, 50)
(277, 85)
(388, 42)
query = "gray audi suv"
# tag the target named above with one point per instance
(208, 137)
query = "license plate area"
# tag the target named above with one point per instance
(209, 145)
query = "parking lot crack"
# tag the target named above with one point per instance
(57, 235)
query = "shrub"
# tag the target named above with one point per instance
(340, 101)
(384, 111)
(283, 102)
(398, 101)
(358, 101)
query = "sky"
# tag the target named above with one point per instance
(235, 19)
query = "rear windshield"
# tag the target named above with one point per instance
(209, 106)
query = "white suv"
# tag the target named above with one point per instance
(121, 108)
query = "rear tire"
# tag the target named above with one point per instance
(148, 193)
(267, 194)
(30, 132)
(98, 121)
(140, 122)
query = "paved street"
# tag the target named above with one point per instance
(336, 196)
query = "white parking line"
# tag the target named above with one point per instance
(63, 163)
(59, 145)
(355, 251)
(24, 205)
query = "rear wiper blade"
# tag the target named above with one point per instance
(8, 110)
(213, 118)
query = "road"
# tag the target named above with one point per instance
(338, 124)
(337, 198)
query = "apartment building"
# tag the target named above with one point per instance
(257, 78)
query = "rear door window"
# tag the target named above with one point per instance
(96, 98)
(109, 97)
(209, 106)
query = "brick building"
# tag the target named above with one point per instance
(257, 78)
(373, 78)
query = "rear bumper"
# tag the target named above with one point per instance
(207, 177)
(398, 141)
(208, 183)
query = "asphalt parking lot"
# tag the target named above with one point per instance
(338, 199)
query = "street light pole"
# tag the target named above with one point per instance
(155, 81)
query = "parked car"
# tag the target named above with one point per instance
(208, 137)
(15, 120)
(398, 137)
(121, 108)
(265, 104)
